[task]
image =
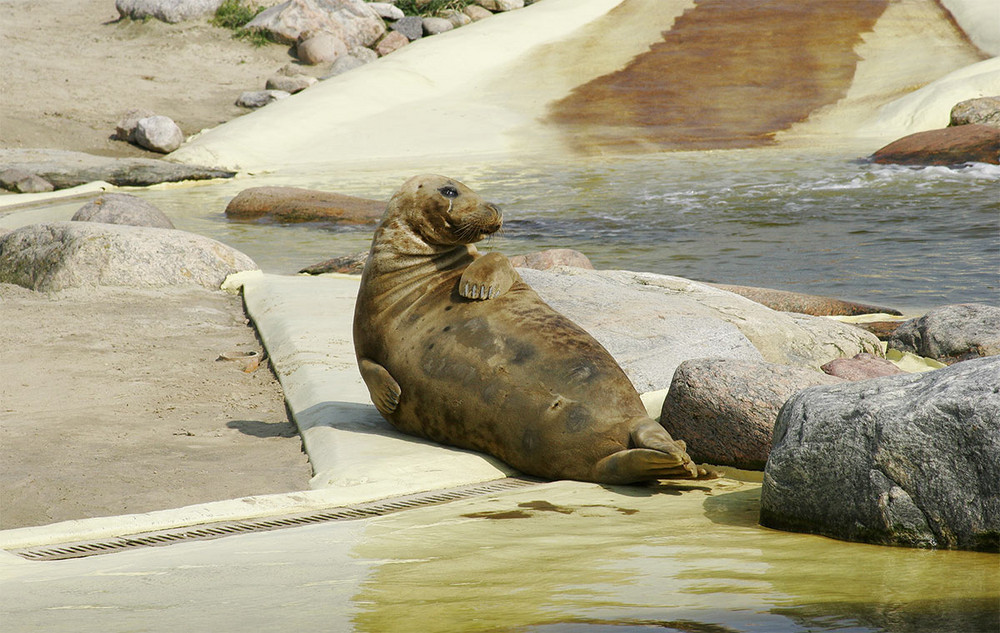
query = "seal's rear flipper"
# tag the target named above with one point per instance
(382, 386)
(642, 464)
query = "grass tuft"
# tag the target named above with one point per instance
(234, 15)
(434, 7)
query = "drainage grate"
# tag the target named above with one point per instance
(221, 529)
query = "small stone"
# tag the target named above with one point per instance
(291, 85)
(476, 12)
(457, 18)
(436, 26)
(412, 26)
(260, 98)
(159, 134)
(501, 5)
(393, 41)
(344, 64)
(387, 11)
(981, 111)
(861, 367)
(122, 208)
(320, 49)
(364, 54)
(125, 130)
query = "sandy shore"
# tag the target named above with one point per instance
(69, 70)
(112, 401)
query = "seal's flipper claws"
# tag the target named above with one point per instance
(487, 277)
(382, 387)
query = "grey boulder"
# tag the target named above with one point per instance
(908, 460)
(172, 11)
(60, 255)
(122, 208)
(352, 21)
(158, 133)
(951, 333)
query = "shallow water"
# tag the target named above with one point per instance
(817, 221)
(560, 557)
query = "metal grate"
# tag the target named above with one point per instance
(221, 529)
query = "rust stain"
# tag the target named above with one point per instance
(730, 73)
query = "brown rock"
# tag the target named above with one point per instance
(785, 301)
(393, 41)
(882, 329)
(725, 408)
(293, 205)
(861, 367)
(346, 264)
(543, 260)
(947, 146)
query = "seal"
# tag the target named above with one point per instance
(456, 348)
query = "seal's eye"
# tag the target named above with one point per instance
(449, 192)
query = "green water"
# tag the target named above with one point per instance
(578, 557)
(558, 557)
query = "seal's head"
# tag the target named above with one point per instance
(443, 211)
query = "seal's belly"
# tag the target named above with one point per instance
(508, 376)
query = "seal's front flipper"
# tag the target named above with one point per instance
(487, 277)
(383, 388)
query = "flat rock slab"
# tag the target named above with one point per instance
(903, 460)
(66, 169)
(59, 255)
(974, 143)
(294, 205)
(687, 319)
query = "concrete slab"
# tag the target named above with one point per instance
(306, 323)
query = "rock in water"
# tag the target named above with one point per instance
(951, 333)
(122, 208)
(60, 255)
(294, 204)
(903, 460)
(947, 146)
